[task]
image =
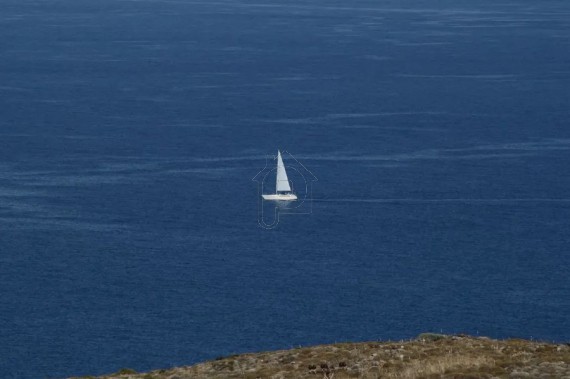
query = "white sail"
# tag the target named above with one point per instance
(282, 184)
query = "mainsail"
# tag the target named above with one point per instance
(282, 184)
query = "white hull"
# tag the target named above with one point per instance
(280, 197)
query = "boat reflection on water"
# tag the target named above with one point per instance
(285, 204)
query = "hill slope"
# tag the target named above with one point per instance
(428, 356)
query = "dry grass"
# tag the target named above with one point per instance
(439, 366)
(429, 356)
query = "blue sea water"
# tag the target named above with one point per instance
(130, 131)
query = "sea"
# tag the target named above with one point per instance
(429, 143)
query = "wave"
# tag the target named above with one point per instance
(451, 200)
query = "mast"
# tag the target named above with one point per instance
(282, 182)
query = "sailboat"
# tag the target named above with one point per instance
(282, 187)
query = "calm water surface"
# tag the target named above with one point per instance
(130, 132)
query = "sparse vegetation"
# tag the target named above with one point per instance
(126, 371)
(431, 336)
(429, 356)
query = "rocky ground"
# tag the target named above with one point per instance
(428, 356)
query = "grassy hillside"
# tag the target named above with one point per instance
(428, 356)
